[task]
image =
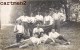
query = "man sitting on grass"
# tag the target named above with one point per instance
(19, 30)
(58, 37)
(38, 30)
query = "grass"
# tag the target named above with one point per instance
(71, 31)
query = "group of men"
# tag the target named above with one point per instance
(40, 37)
(38, 29)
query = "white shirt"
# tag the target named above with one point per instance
(56, 16)
(53, 35)
(19, 28)
(35, 40)
(73, 15)
(23, 18)
(48, 18)
(44, 38)
(39, 17)
(32, 19)
(35, 30)
(62, 16)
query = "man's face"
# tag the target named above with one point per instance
(42, 34)
(19, 22)
(37, 25)
(36, 35)
(24, 16)
(56, 11)
(53, 30)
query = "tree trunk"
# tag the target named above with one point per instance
(76, 16)
(67, 11)
(0, 18)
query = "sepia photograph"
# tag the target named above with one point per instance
(39, 24)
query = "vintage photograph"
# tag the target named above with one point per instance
(39, 24)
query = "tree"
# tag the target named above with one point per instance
(0, 19)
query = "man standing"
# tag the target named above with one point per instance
(31, 24)
(25, 20)
(39, 18)
(56, 17)
(48, 22)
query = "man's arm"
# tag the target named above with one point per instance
(15, 29)
(34, 30)
(19, 18)
(41, 30)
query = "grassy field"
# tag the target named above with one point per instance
(71, 31)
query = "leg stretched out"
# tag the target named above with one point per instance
(13, 45)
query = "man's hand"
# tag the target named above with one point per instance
(15, 31)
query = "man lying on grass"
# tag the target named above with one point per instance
(58, 38)
(25, 43)
(53, 37)
(45, 38)
(32, 41)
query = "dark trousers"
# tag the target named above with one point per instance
(26, 28)
(61, 40)
(39, 22)
(57, 25)
(47, 22)
(29, 26)
(47, 29)
(20, 36)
